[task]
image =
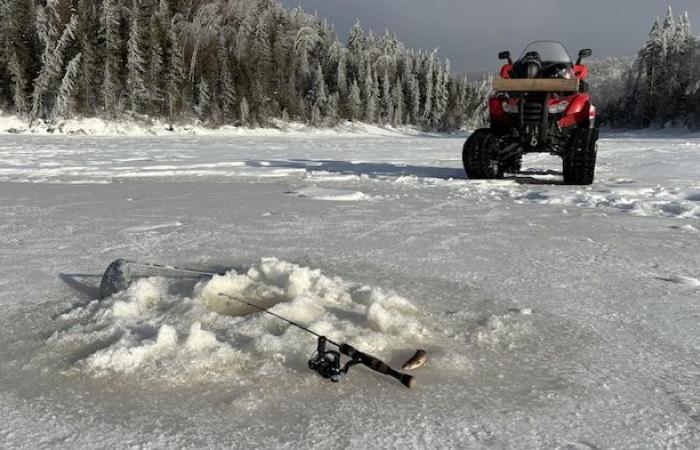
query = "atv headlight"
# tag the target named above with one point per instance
(559, 107)
(510, 108)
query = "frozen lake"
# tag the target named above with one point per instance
(554, 316)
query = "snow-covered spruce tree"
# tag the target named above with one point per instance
(370, 94)
(290, 94)
(316, 117)
(688, 62)
(5, 53)
(477, 107)
(651, 60)
(355, 102)
(135, 63)
(54, 45)
(356, 42)
(245, 112)
(200, 36)
(110, 20)
(159, 52)
(356, 57)
(668, 29)
(388, 105)
(227, 88)
(342, 80)
(89, 74)
(414, 112)
(203, 107)
(265, 99)
(19, 84)
(373, 102)
(678, 76)
(406, 77)
(62, 105)
(156, 64)
(458, 103)
(307, 38)
(332, 110)
(441, 98)
(428, 118)
(175, 75)
(666, 71)
(17, 25)
(318, 89)
(397, 94)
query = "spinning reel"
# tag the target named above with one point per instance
(327, 362)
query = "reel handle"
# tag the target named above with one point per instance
(376, 365)
(321, 345)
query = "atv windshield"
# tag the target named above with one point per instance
(551, 52)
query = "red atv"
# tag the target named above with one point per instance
(541, 105)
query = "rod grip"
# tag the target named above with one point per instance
(377, 365)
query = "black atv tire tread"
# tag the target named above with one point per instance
(514, 164)
(477, 162)
(579, 163)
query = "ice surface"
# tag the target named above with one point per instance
(665, 186)
(554, 316)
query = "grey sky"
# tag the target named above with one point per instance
(471, 32)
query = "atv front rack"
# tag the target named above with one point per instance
(535, 85)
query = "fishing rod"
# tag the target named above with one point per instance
(173, 268)
(327, 362)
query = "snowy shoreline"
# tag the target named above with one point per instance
(97, 127)
(12, 124)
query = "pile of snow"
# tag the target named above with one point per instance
(645, 201)
(158, 332)
(332, 195)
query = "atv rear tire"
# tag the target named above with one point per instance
(513, 164)
(479, 156)
(579, 162)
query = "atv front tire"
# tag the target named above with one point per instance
(479, 156)
(579, 162)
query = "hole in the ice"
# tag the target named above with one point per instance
(235, 305)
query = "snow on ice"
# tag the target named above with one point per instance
(352, 159)
(179, 337)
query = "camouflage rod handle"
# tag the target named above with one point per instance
(376, 365)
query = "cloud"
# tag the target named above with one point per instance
(471, 32)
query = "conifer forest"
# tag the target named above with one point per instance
(240, 62)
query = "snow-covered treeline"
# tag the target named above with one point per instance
(607, 80)
(662, 86)
(220, 62)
